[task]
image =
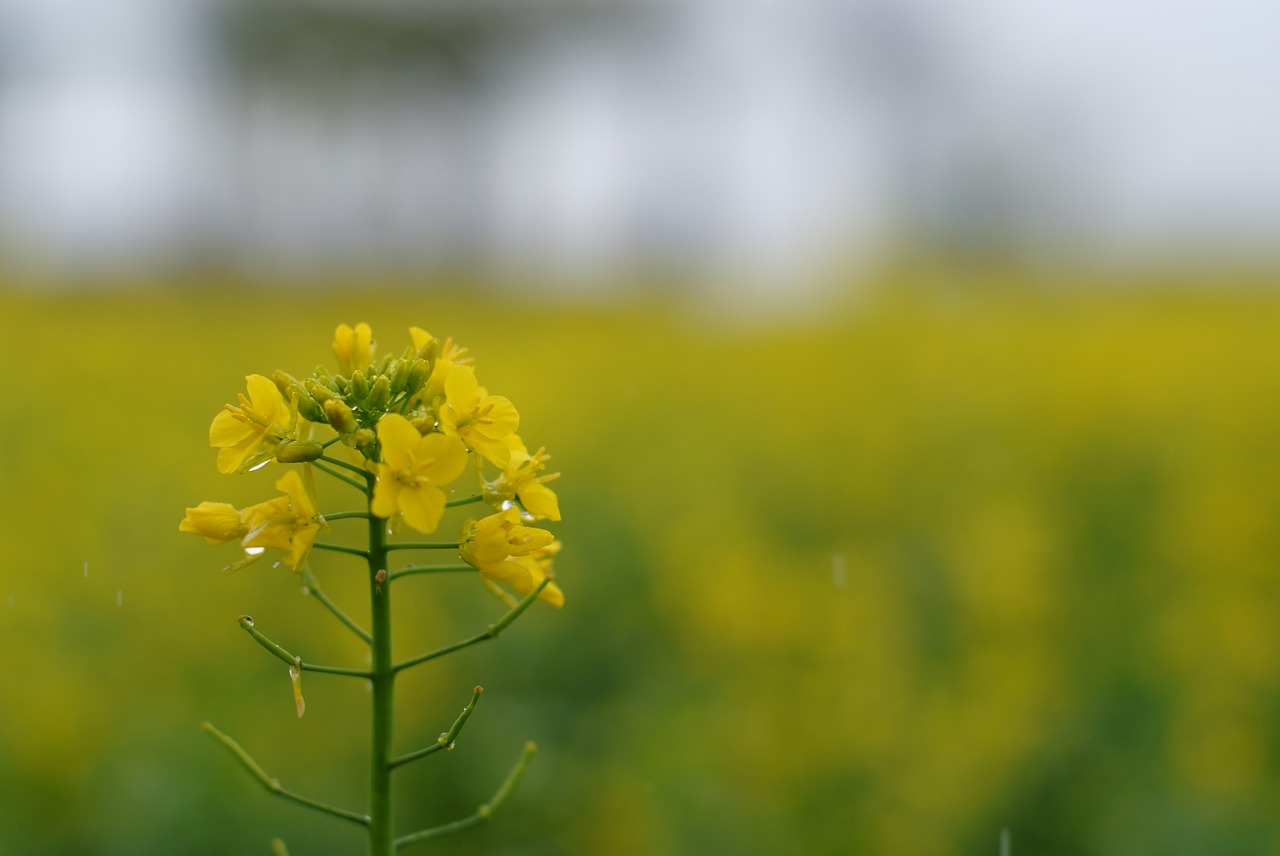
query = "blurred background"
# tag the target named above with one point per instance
(911, 365)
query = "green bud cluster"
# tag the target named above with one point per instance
(352, 404)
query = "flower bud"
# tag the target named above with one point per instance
(298, 451)
(340, 416)
(365, 441)
(283, 382)
(359, 385)
(318, 391)
(379, 395)
(307, 406)
(398, 371)
(418, 374)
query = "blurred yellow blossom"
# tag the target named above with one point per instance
(353, 347)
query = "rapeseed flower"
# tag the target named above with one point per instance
(503, 549)
(412, 470)
(217, 522)
(248, 434)
(523, 477)
(288, 522)
(481, 421)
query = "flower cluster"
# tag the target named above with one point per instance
(408, 426)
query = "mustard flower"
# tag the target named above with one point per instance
(446, 355)
(248, 434)
(288, 522)
(217, 522)
(412, 471)
(522, 477)
(480, 420)
(503, 549)
(353, 347)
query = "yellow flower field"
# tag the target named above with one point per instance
(885, 583)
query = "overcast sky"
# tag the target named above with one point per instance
(1129, 126)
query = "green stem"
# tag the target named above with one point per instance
(344, 515)
(360, 471)
(313, 588)
(491, 632)
(484, 812)
(273, 785)
(292, 659)
(424, 545)
(328, 470)
(430, 569)
(475, 497)
(339, 548)
(445, 740)
(381, 827)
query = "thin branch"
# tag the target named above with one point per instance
(491, 632)
(430, 569)
(344, 515)
(340, 548)
(475, 497)
(312, 587)
(292, 659)
(484, 812)
(445, 740)
(425, 545)
(325, 468)
(338, 462)
(273, 785)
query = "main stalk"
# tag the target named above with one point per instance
(381, 823)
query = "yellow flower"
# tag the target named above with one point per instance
(447, 355)
(247, 435)
(288, 522)
(503, 549)
(480, 420)
(412, 470)
(353, 347)
(218, 522)
(522, 477)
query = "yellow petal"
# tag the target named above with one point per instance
(398, 439)
(539, 500)
(460, 388)
(386, 493)
(449, 454)
(217, 522)
(422, 507)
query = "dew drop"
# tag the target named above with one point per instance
(254, 551)
(257, 467)
(247, 620)
(306, 590)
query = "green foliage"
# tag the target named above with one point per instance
(885, 585)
